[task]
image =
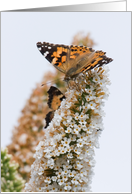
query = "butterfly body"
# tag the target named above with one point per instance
(72, 60)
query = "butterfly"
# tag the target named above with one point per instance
(72, 60)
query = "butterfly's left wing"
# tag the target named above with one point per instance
(56, 54)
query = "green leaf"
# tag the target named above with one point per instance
(87, 86)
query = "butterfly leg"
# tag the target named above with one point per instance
(70, 85)
(76, 85)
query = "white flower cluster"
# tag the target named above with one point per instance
(65, 158)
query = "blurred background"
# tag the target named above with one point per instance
(24, 101)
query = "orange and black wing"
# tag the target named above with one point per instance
(54, 102)
(67, 59)
(49, 118)
(98, 59)
(85, 59)
(71, 60)
(55, 98)
(57, 54)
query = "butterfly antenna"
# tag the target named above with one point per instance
(52, 81)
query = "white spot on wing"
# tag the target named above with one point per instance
(46, 53)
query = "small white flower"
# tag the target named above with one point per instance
(48, 155)
(53, 189)
(80, 144)
(80, 156)
(65, 177)
(68, 149)
(76, 129)
(68, 130)
(96, 79)
(67, 186)
(74, 181)
(78, 93)
(65, 171)
(47, 180)
(101, 83)
(83, 173)
(69, 155)
(86, 107)
(60, 181)
(92, 105)
(76, 116)
(57, 119)
(58, 152)
(76, 188)
(65, 123)
(71, 173)
(57, 167)
(82, 121)
(72, 137)
(54, 178)
(77, 150)
(89, 130)
(41, 171)
(66, 142)
(63, 151)
(59, 173)
(89, 91)
(88, 98)
(72, 124)
(84, 116)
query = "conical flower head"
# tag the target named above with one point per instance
(64, 160)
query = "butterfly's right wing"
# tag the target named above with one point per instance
(78, 57)
(85, 59)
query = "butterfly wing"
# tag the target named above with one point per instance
(85, 59)
(54, 102)
(55, 54)
(55, 98)
(71, 60)
(49, 118)
(98, 59)
(79, 55)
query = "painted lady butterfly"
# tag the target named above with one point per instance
(72, 60)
